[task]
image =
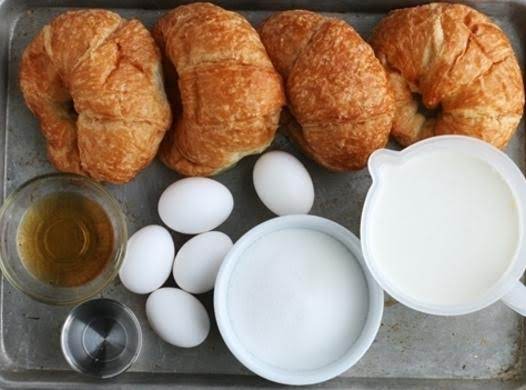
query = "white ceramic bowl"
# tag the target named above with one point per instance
(250, 360)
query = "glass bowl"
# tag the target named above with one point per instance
(101, 338)
(11, 215)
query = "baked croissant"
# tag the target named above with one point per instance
(459, 61)
(94, 81)
(336, 88)
(228, 96)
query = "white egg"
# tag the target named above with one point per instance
(177, 317)
(198, 261)
(283, 184)
(148, 261)
(195, 205)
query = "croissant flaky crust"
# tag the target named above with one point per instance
(458, 60)
(337, 90)
(228, 96)
(94, 81)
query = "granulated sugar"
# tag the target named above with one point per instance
(298, 299)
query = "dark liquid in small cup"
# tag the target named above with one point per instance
(65, 239)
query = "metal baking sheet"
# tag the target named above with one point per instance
(484, 350)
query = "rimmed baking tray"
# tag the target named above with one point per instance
(412, 351)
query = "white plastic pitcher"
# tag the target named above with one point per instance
(508, 287)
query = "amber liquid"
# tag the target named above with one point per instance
(65, 239)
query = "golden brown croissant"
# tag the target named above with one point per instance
(230, 94)
(337, 89)
(94, 81)
(458, 60)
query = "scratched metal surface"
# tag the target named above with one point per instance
(412, 350)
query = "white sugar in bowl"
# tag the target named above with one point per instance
(294, 301)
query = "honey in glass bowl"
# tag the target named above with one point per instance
(62, 238)
(65, 239)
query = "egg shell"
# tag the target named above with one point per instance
(195, 205)
(283, 184)
(177, 317)
(148, 261)
(198, 261)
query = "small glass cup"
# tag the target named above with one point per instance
(12, 213)
(101, 338)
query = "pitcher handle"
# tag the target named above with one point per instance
(516, 298)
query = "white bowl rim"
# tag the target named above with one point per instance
(265, 370)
